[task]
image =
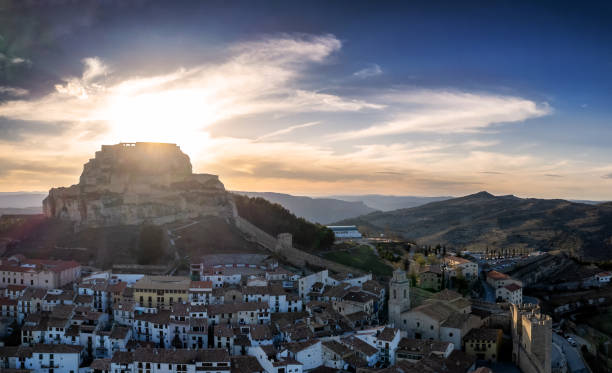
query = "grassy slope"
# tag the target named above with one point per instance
(360, 257)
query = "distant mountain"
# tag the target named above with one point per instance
(21, 199)
(318, 210)
(389, 203)
(20, 211)
(482, 219)
(588, 202)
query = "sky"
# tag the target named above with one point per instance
(316, 98)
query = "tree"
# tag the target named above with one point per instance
(420, 259)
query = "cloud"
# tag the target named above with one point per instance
(274, 81)
(287, 130)
(607, 176)
(12, 130)
(13, 91)
(368, 72)
(257, 77)
(552, 175)
(13, 60)
(446, 112)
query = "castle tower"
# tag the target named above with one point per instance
(531, 338)
(399, 297)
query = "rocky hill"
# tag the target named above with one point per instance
(318, 210)
(133, 183)
(480, 220)
(128, 188)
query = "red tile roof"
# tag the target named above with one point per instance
(497, 275)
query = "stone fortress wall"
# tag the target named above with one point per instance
(282, 245)
(531, 338)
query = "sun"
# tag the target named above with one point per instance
(175, 116)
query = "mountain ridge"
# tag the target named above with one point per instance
(483, 220)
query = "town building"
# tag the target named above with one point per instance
(458, 266)
(43, 273)
(483, 344)
(345, 232)
(399, 298)
(161, 291)
(430, 277)
(531, 338)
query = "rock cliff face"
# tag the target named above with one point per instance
(132, 183)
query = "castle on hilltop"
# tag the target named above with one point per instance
(132, 183)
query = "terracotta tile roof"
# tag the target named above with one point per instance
(224, 330)
(101, 364)
(357, 344)
(119, 332)
(261, 332)
(437, 311)
(337, 347)
(296, 347)
(495, 275)
(56, 349)
(388, 334)
(422, 346)
(483, 334)
(512, 287)
(117, 288)
(245, 364)
(446, 295)
(201, 285)
(457, 320)
(122, 357)
(161, 317)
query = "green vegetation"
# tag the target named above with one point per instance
(274, 219)
(392, 251)
(150, 244)
(361, 257)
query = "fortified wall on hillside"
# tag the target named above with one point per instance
(132, 183)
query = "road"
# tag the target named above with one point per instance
(172, 237)
(574, 359)
(489, 292)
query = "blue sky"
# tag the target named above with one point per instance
(420, 98)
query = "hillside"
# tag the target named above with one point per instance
(389, 203)
(318, 210)
(274, 219)
(480, 220)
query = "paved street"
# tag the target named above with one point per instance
(574, 359)
(489, 292)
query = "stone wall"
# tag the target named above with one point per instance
(282, 247)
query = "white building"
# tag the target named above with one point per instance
(512, 293)
(43, 273)
(345, 232)
(603, 277)
(308, 353)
